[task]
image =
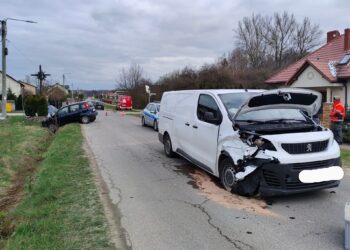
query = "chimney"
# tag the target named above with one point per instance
(347, 39)
(332, 35)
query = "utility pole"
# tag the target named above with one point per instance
(41, 77)
(64, 81)
(4, 53)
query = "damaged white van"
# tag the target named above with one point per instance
(255, 141)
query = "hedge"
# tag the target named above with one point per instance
(35, 105)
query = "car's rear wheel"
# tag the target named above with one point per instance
(168, 148)
(143, 121)
(85, 120)
(155, 125)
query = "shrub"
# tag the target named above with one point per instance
(10, 95)
(29, 105)
(19, 104)
(35, 105)
(41, 106)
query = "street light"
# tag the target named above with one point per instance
(4, 54)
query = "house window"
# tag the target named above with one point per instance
(345, 59)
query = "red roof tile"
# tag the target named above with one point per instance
(319, 59)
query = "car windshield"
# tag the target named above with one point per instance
(268, 115)
(233, 101)
(52, 109)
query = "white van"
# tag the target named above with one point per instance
(255, 141)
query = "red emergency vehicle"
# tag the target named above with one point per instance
(124, 102)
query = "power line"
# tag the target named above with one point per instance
(20, 52)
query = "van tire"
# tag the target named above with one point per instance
(247, 187)
(143, 121)
(155, 125)
(85, 120)
(168, 147)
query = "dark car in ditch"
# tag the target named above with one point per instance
(76, 112)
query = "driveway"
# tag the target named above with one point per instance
(162, 203)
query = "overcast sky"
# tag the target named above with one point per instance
(94, 39)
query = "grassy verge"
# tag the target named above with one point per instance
(62, 209)
(345, 157)
(109, 106)
(22, 144)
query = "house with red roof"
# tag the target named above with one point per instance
(326, 70)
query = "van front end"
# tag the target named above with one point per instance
(281, 168)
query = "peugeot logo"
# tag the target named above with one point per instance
(309, 147)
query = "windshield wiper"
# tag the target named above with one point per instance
(252, 121)
(287, 120)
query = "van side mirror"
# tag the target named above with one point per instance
(210, 118)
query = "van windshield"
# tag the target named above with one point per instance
(267, 115)
(233, 101)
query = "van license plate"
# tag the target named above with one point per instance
(334, 173)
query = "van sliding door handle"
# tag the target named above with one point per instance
(195, 126)
(187, 124)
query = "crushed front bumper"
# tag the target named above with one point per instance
(282, 179)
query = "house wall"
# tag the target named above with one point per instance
(10, 83)
(30, 89)
(312, 79)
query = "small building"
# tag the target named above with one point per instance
(28, 88)
(326, 70)
(11, 83)
(57, 94)
(57, 86)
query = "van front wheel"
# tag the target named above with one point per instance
(168, 148)
(247, 187)
(227, 175)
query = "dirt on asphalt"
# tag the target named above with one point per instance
(209, 187)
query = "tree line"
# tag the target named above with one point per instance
(263, 45)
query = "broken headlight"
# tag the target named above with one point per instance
(264, 144)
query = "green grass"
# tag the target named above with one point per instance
(21, 144)
(62, 209)
(345, 157)
(109, 106)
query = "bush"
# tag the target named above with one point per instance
(42, 106)
(19, 104)
(35, 105)
(10, 95)
(30, 106)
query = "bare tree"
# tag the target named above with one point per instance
(306, 37)
(250, 38)
(275, 41)
(130, 78)
(279, 31)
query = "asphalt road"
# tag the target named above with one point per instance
(162, 203)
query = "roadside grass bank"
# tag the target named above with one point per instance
(109, 106)
(345, 157)
(62, 209)
(22, 145)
